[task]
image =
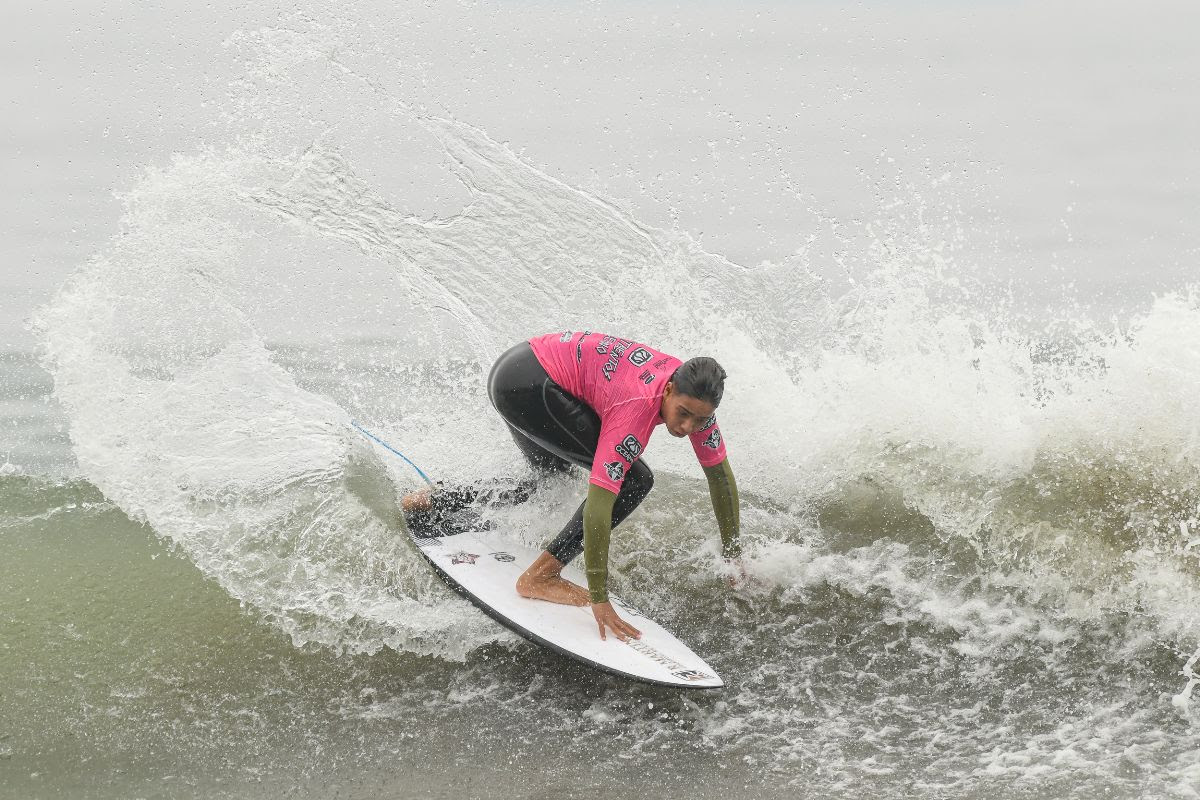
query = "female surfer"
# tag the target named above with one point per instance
(593, 400)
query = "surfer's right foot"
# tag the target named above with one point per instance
(416, 501)
(443, 511)
(543, 582)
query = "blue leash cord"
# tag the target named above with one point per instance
(390, 449)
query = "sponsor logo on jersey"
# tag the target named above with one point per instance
(640, 356)
(662, 362)
(647, 377)
(614, 357)
(633, 444)
(463, 558)
(579, 347)
(629, 448)
(615, 470)
(502, 556)
(604, 344)
(714, 439)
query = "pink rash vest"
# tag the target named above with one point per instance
(623, 382)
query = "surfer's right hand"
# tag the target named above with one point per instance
(606, 617)
(735, 574)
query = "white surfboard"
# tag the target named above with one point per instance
(484, 568)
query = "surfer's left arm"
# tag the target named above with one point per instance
(709, 444)
(722, 489)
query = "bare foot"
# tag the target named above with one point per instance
(543, 582)
(554, 590)
(416, 501)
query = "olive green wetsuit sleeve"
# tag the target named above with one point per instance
(597, 528)
(722, 489)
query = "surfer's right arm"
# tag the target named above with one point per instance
(597, 528)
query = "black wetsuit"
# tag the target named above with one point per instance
(554, 430)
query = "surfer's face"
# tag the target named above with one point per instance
(682, 413)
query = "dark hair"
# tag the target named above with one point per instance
(702, 378)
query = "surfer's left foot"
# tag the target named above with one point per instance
(543, 582)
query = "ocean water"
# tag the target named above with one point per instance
(964, 368)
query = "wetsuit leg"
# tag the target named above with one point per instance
(639, 480)
(554, 429)
(543, 461)
(551, 428)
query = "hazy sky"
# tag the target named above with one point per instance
(1065, 137)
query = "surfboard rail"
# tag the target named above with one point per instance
(658, 658)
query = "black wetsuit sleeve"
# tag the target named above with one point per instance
(597, 528)
(722, 489)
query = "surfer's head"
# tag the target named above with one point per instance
(692, 395)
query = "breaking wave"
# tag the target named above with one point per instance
(909, 439)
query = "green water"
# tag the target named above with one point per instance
(126, 674)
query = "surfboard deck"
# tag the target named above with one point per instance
(483, 567)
